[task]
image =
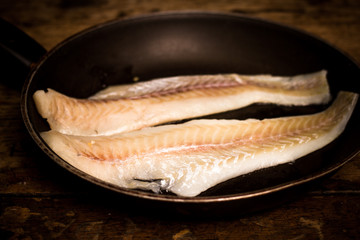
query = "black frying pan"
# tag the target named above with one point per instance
(171, 44)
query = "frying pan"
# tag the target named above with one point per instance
(183, 43)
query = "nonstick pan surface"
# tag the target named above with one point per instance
(184, 43)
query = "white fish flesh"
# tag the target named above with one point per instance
(189, 158)
(131, 107)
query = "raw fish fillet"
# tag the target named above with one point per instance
(189, 158)
(130, 107)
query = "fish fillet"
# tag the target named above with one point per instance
(189, 158)
(130, 107)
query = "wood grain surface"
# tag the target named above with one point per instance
(40, 200)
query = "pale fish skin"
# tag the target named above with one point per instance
(189, 158)
(126, 108)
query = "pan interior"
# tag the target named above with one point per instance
(199, 43)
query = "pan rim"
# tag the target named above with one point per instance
(169, 198)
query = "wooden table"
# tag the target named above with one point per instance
(40, 200)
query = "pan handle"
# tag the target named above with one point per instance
(18, 52)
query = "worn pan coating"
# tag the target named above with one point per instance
(182, 43)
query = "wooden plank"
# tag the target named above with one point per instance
(91, 217)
